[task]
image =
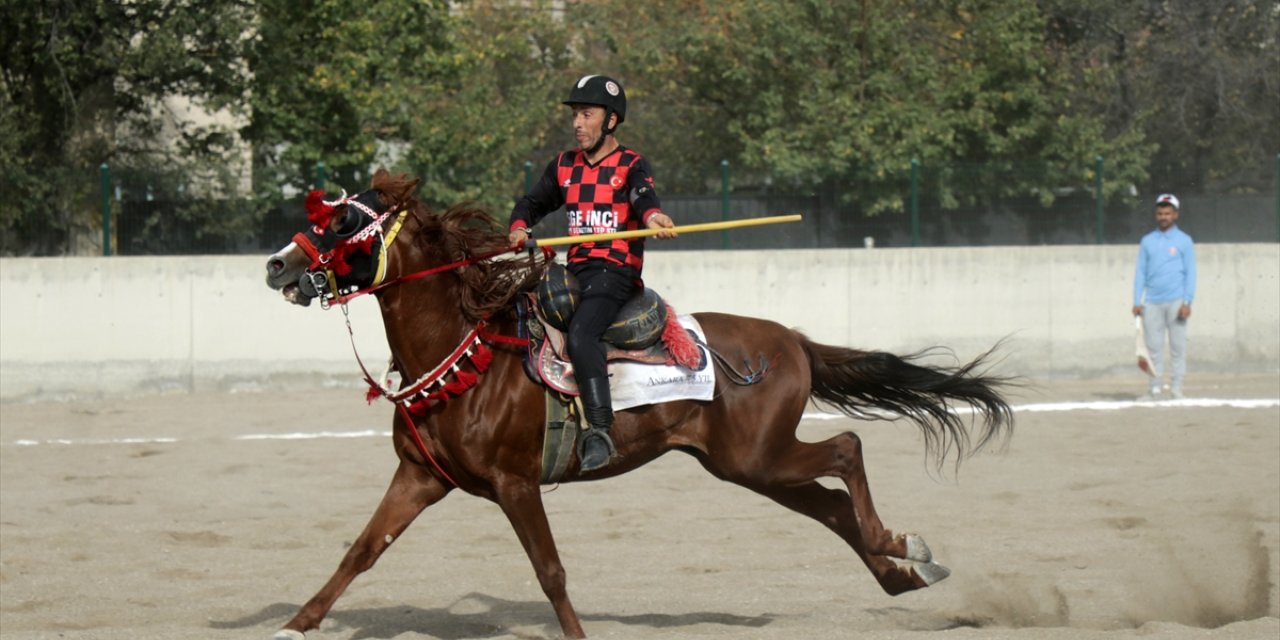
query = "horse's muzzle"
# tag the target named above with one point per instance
(293, 293)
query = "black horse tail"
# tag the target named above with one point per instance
(880, 385)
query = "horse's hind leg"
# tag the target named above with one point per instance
(832, 508)
(790, 479)
(841, 457)
(522, 503)
(412, 490)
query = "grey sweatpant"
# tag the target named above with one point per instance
(1159, 320)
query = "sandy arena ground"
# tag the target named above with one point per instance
(1135, 522)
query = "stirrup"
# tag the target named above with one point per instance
(595, 432)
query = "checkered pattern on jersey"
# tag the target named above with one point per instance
(590, 194)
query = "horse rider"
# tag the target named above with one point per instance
(603, 187)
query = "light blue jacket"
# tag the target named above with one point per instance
(1166, 268)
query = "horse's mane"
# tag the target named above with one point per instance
(463, 231)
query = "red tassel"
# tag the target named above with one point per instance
(482, 358)
(364, 246)
(467, 379)
(318, 212)
(455, 388)
(372, 394)
(419, 407)
(682, 347)
(440, 394)
(339, 262)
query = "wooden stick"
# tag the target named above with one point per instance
(644, 233)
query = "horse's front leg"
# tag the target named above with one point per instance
(522, 502)
(412, 490)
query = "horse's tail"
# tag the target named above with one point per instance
(865, 384)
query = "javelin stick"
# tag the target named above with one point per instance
(644, 233)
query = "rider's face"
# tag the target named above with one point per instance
(588, 124)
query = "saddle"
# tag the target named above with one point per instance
(645, 331)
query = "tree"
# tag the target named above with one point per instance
(847, 93)
(459, 97)
(1201, 81)
(337, 82)
(86, 82)
(494, 105)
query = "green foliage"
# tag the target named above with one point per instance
(1194, 84)
(815, 92)
(998, 99)
(338, 82)
(494, 104)
(87, 82)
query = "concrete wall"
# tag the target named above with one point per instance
(97, 326)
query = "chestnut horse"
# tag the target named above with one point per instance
(436, 294)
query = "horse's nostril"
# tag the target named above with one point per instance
(275, 266)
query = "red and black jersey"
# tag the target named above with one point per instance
(616, 194)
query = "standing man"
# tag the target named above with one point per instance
(1164, 285)
(604, 187)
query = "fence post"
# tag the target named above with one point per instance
(724, 201)
(104, 173)
(320, 175)
(1099, 216)
(915, 202)
(528, 176)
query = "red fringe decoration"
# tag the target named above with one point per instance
(344, 249)
(682, 347)
(373, 393)
(482, 358)
(318, 212)
(462, 380)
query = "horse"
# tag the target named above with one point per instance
(440, 289)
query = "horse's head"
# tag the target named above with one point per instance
(343, 249)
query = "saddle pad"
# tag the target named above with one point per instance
(634, 384)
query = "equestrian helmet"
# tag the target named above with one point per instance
(601, 91)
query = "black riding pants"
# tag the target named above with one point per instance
(604, 287)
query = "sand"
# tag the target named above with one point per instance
(155, 517)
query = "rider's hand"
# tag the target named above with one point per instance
(1137, 310)
(661, 220)
(518, 236)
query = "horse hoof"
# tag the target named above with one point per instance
(289, 634)
(917, 550)
(932, 573)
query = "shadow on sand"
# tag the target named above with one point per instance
(481, 616)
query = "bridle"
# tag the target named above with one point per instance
(444, 381)
(327, 267)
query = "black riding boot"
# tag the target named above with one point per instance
(596, 448)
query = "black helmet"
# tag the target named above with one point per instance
(601, 91)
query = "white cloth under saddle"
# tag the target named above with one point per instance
(633, 384)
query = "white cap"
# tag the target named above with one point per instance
(1169, 199)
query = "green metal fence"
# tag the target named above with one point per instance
(945, 205)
